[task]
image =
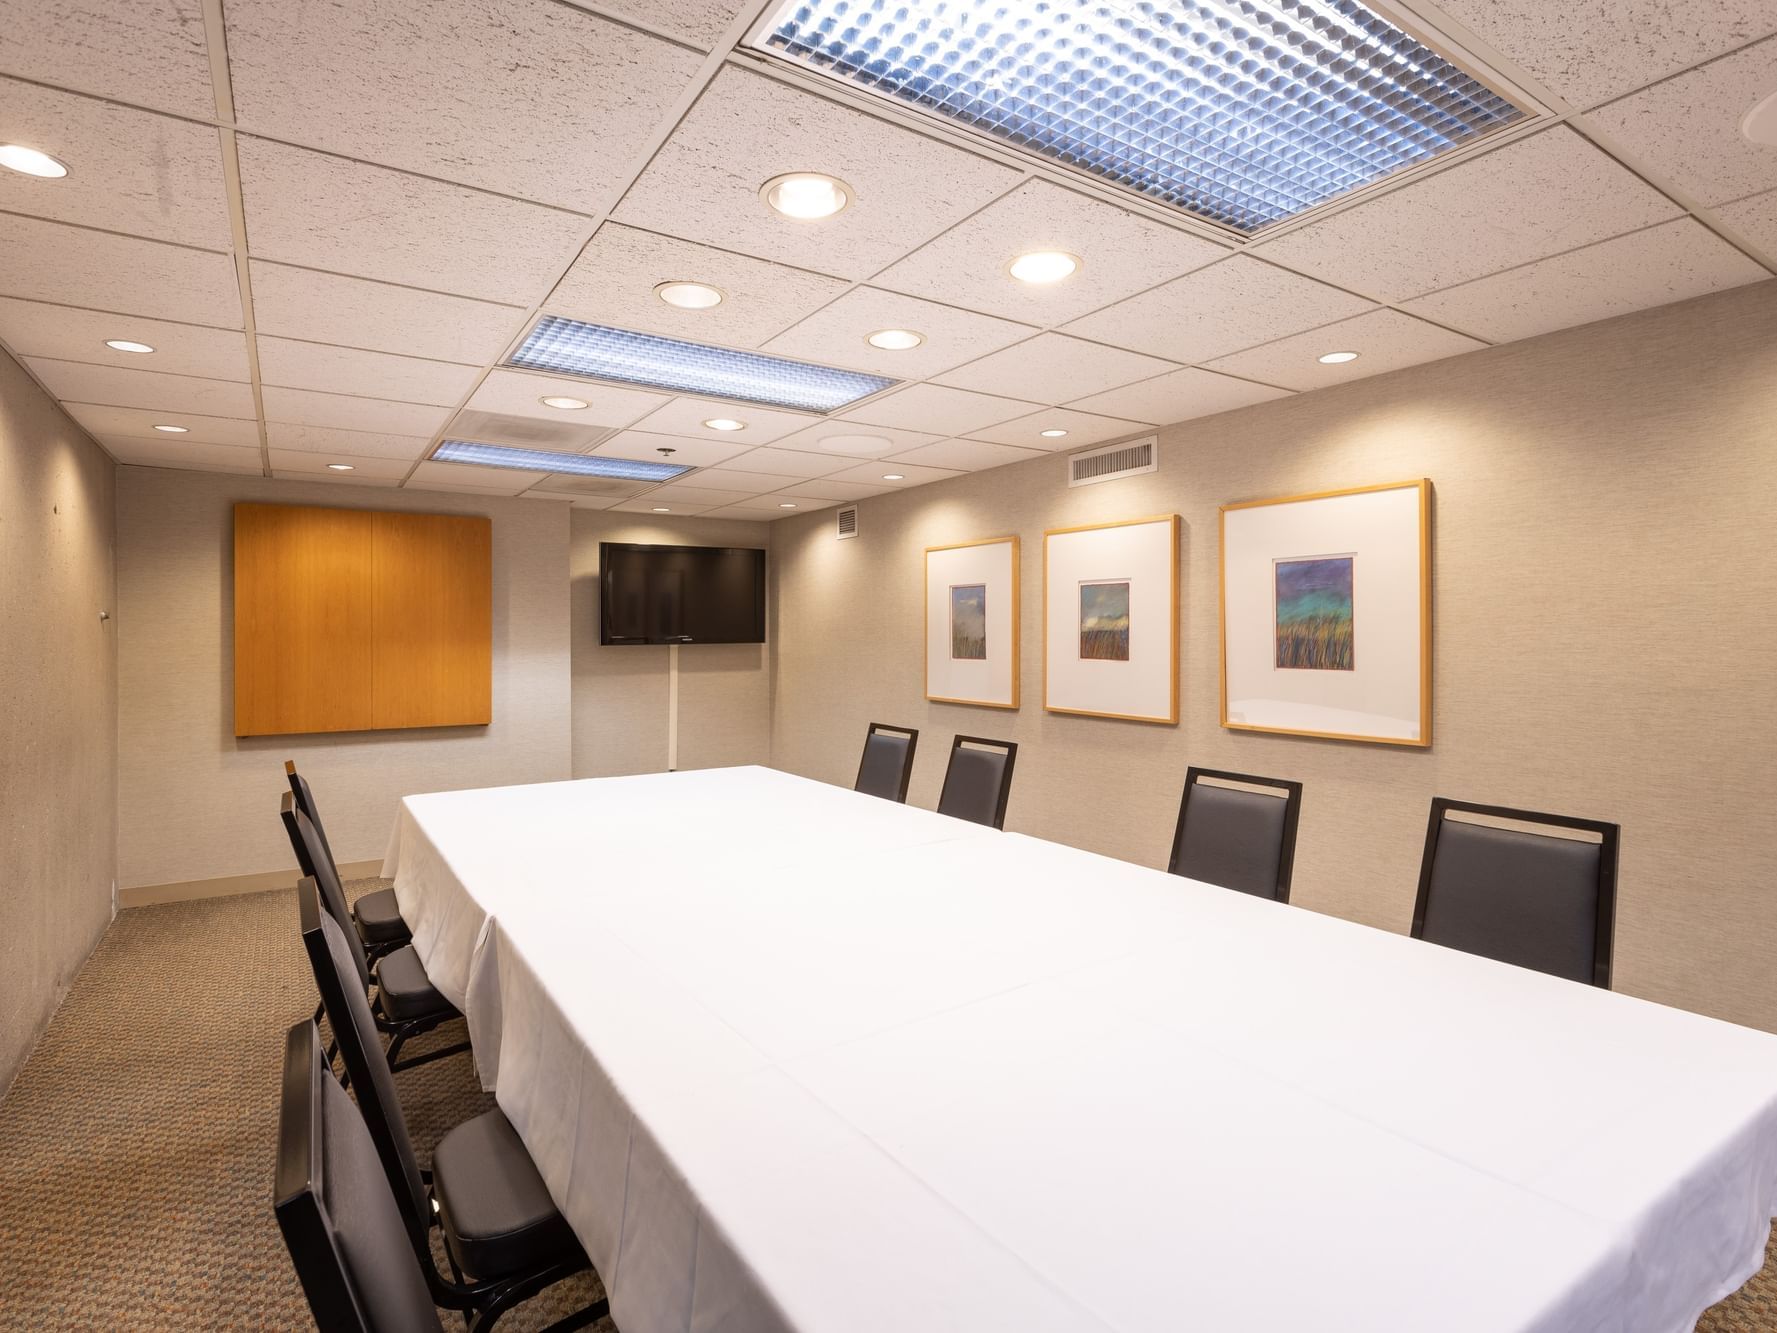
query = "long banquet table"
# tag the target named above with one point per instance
(792, 1058)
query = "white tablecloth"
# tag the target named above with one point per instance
(792, 1058)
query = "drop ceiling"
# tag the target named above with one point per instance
(336, 222)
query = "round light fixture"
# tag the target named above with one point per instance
(125, 345)
(1760, 124)
(689, 295)
(895, 340)
(1044, 266)
(806, 196)
(1052, 434)
(893, 476)
(725, 423)
(175, 430)
(564, 404)
(856, 444)
(662, 509)
(1337, 358)
(786, 505)
(30, 161)
(339, 467)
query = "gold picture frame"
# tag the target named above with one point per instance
(1072, 688)
(1417, 722)
(1011, 662)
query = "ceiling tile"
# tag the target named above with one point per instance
(1121, 253)
(936, 410)
(363, 466)
(1179, 396)
(31, 328)
(652, 502)
(467, 477)
(77, 382)
(1052, 368)
(966, 455)
(129, 171)
(836, 335)
(1530, 199)
(1383, 339)
(828, 489)
(526, 97)
(338, 478)
(49, 261)
(1590, 50)
(578, 501)
(354, 312)
(202, 457)
(134, 422)
(704, 183)
(614, 279)
(911, 474)
(325, 212)
(1083, 428)
(850, 439)
(700, 22)
(150, 52)
(744, 515)
(740, 483)
(782, 502)
(1649, 268)
(306, 407)
(1686, 131)
(686, 452)
(566, 433)
(787, 462)
(1755, 219)
(288, 438)
(519, 393)
(684, 492)
(1218, 310)
(685, 416)
(306, 365)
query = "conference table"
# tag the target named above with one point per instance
(794, 1058)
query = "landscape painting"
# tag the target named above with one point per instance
(968, 622)
(1104, 621)
(1314, 624)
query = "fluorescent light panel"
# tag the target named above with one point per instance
(568, 347)
(547, 460)
(1244, 112)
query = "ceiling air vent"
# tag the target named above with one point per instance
(848, 522)
(1129, 459)
(527, 432)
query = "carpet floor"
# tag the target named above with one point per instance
(136, 1145)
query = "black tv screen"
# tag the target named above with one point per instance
(680, 594)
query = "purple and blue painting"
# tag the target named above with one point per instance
(1314, 623)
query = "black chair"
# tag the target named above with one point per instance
(346, 1237)
(407, 1004)
(503, 1237)
(376, 916)
(1540, 900)
(887, 764)
(1242, 840)
(978, 780)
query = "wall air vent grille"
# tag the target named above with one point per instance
(1132, 458)
(848, 522)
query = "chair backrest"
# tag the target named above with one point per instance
(978, 780)
(1244, 840)
(888, 761)
(345, 1234)
(316, 864)
(348, 1014)
(1540, 900)
(305, 802)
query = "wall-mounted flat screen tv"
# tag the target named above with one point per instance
(680, 594)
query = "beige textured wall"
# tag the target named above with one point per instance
(58, 707)
(620, 694)
(196, 802)
(1604, 517)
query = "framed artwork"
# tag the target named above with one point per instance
(1326, 614)
(972, 623)
(1110, 620)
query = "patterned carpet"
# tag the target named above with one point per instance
(136, 1145)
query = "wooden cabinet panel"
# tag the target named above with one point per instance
(360, 620)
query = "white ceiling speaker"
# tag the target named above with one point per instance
(856, 444)
(1760, 123)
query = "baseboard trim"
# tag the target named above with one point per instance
(153, 895)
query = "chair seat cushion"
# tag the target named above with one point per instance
(498, 1218)
(406, 991)
(379, 918)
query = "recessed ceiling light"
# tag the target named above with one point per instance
(785, 504)
(689, 295)
(893, 476)
(30, 162)
(339, 467)
(895, 340)
(566, 346)
(806, 195)
(856, 444)
(125, 345)
(725, 423)
(1043, 266)
(547, 460)
(175, 430)
(1760, 124)
(1052, 434)
(1337, 358)
(564, 404)
(662, 509)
